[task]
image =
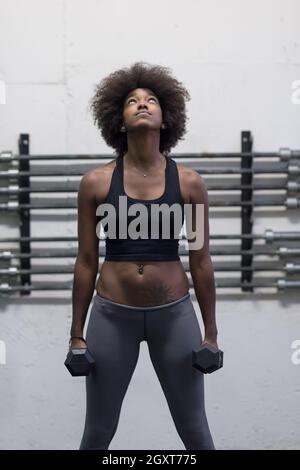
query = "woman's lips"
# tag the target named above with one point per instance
(143, 113)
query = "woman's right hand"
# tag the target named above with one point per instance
(77, 344)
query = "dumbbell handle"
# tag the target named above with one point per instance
(76, 337)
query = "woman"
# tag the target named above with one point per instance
(142, 291)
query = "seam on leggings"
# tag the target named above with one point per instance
(145, 327)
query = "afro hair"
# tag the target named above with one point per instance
(108, 101)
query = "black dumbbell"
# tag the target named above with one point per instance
(79, 361)
(207, 358)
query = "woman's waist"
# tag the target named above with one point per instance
(133, 284)
(126, 270)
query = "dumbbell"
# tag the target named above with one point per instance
(79, 361)
(207, 358)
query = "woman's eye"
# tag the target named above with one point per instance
(132, 99)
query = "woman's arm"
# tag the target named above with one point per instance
(200, 263)
(87, 261)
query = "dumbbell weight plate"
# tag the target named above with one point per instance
(207, 358)
(79, 361)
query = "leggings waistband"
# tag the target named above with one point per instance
(131, 307)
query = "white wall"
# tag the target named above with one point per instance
(239, 60)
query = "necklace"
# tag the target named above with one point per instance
(144, 174)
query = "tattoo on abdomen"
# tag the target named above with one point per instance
(160, 294)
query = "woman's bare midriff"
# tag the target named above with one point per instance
(161, 282)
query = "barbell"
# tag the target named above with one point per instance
(284, 153)
(280, 284)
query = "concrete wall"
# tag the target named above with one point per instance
(240, 61)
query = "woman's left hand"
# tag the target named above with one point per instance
(212, 341)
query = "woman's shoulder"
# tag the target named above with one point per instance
(98, 180)
(186, 172)
(185, 175)
(189, 179)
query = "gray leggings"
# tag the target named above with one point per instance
(114, 334)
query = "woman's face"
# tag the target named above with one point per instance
(142, 110)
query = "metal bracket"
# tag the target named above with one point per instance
(24, 198)
(246, 219)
